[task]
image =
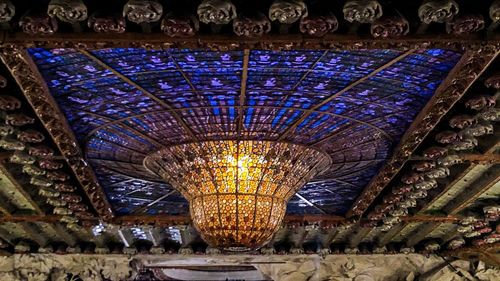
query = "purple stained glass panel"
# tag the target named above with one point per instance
(126, 103)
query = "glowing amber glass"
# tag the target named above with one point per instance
(237, 190)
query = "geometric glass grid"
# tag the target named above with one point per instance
(124, 104)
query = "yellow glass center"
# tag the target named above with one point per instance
(237, 190)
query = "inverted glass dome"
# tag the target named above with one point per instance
(124, 104)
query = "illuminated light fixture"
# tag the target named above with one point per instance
(237, 189)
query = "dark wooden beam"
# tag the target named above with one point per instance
(359, 234)
(420, 234)
(488, 179)
(19, 189)
(385, 238)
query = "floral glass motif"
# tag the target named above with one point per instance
(124, 104)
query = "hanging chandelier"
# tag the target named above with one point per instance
(237, 190)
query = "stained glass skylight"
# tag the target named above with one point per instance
(124, 104)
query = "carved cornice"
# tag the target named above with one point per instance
(453, 88)
(31, 83)
(287, 267)
(227, 42)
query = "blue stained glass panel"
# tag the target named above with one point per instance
(125, 103)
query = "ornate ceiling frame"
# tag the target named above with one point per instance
(36, 92)
(477, 56)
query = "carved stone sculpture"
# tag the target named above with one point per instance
(435, 152)
(180, 26)
(464, 144)
(64, 187)
(450, 160)
(439, 172)
(33, 170)
(30, 136)
(462, 121)
(407, 203)
(143, 11)
(45, 192)
(466, 24)
(423, 166)
(251, 26)
(10, 144)
(412, 178)
(481, 102)
(38, 24)
(20, 157)
(287, 11)
(480, 129)
(399, 212)
(50, 164)
(427, 184)
(40, 151)
(318, 26)
(6, 130)
(418, 194)
(216, 11)
(9, 103)
(401, 190)
(41, 181)
(106, 23)
(7, 10)
(71, 198)
(57, 176)
(495, 11)
(18, 119)
(447, 137)
(491, 114)
(387, 27)
(362, 11)
(439, 11)
(68, 10)
(456, 243)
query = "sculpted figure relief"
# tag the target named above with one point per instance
(143, 11)
(363, 11)
(287, 11)
(68, 10)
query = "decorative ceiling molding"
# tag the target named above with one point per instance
(470, 67)
(36, 92)
(223, 42)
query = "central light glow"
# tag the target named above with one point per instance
(237, 190)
